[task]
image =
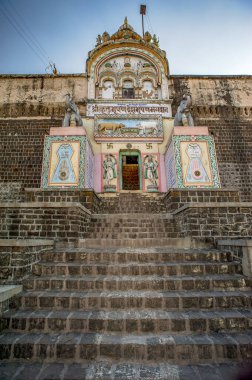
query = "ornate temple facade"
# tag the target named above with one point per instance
(129, 123)
(128, 139)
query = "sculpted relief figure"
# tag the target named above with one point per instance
(98, 40)
(183, 116)
(150, 169)
(72, 115)
(109, 166)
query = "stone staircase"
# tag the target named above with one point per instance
(132, 230)
(132, 220)
(132, 203)
(157, 313)
(130, 313)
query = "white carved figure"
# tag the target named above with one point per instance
(108, 90)
(109, 166)
(150, 169)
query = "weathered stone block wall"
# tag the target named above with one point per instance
(58, 221)
(87, 198)
(175, 198)
(18, 257)
(214, 90)
(21, 147)
(212, 222)
(11, 191)
(40, 95)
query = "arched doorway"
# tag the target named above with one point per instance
(130, 170)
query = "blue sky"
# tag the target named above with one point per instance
(199, 36)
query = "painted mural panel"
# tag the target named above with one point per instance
(64, 164)
(129, 127)
(63, 161)
(196, 164)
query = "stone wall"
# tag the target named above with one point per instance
(65, 222)
(214, 90)
(21, 147)
(11, 191)
(17, 258)
(211, 222)
(43, 95)
(87, 198)
(40, 95)
(176, 198)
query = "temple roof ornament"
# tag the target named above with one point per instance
(126, 39)
(126, 32)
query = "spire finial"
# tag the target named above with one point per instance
(126, 20)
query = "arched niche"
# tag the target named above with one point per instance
(153, 68)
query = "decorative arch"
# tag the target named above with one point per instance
(107, 77)
(149, 77)
(118, 53)
(159, 64)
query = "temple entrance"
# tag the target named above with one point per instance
(130, 170)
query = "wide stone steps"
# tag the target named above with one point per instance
(180, 300)
(136, 322)
(132, 204)
(114, 283)
(138, 256)
(131, 235)
(132, 269)
(120, 371)
(106, 370)
(137, 243)
(130, 313)
(79, 347)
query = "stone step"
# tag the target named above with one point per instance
(126, 217)
(130, 255)
(106, 370)
(131, 235)
(78, 347)
(131, 269)
(173, 242)
(138, 300)
(114, 283)
(123, 222)
(123, 322)
(131, 230)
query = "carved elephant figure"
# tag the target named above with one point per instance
(113, 127)
(183, 116)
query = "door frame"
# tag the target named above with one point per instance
(126, 152)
